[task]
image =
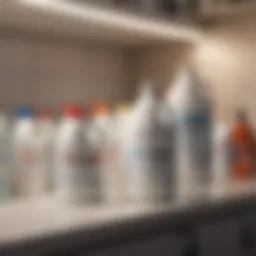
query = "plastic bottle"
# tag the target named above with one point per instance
(243, 147)
(25, 154)
(6, 159)
(45, 131)
(191, 107)
(121, 119)
(220, 173)
(104, 134)
(75, 183)
(147, 150)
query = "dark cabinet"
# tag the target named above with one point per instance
(162, 246)
(221, 238)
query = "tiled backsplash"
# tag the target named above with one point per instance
(47, 72)
(42, 71)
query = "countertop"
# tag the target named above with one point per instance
(45, 219)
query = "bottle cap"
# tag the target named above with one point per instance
(100, 108)
(121, 108)
(74, 111)
(25, 112)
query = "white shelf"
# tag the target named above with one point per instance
(62, 17)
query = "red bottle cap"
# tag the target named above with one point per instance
(74, 111)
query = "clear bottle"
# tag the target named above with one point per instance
(147, 150)
(192, 111)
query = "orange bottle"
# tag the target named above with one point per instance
(243, 147)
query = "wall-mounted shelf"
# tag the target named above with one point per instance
(86, 21)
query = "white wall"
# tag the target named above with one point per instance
(159, 64)
(44, 72)
(226, 59)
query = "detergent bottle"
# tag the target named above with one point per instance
(192, 110)
(45, 133)
(121, 121)
(104, 134)
(28, 179)
(221, 152)
(73, 181)
(147, 150)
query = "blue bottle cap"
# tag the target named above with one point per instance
(25, 112)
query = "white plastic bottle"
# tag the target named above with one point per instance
(121, 120)
(75, 179)
(27, 179)
(121, 117)
(191, 107)
(45, 131)
(220, 156)
(103, 134)
(147, 151)
(6, 160)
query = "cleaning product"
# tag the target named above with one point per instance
(147, 151)
(243, 147)
(192, 111)
(45, 132)
(6, 159)
(71, 181)
(27, 179)
(220, 163)
(121, 117)
(104, 134)
(121, 120)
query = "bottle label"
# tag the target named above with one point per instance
(198, 133)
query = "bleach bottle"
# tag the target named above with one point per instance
(221, 152)
(121, 120)
(75, 177)
(27, 178)
(192, 111)
(103, 134)
(147, 150)
(45, 132)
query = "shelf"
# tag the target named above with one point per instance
(86, 21)
(47, 220)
